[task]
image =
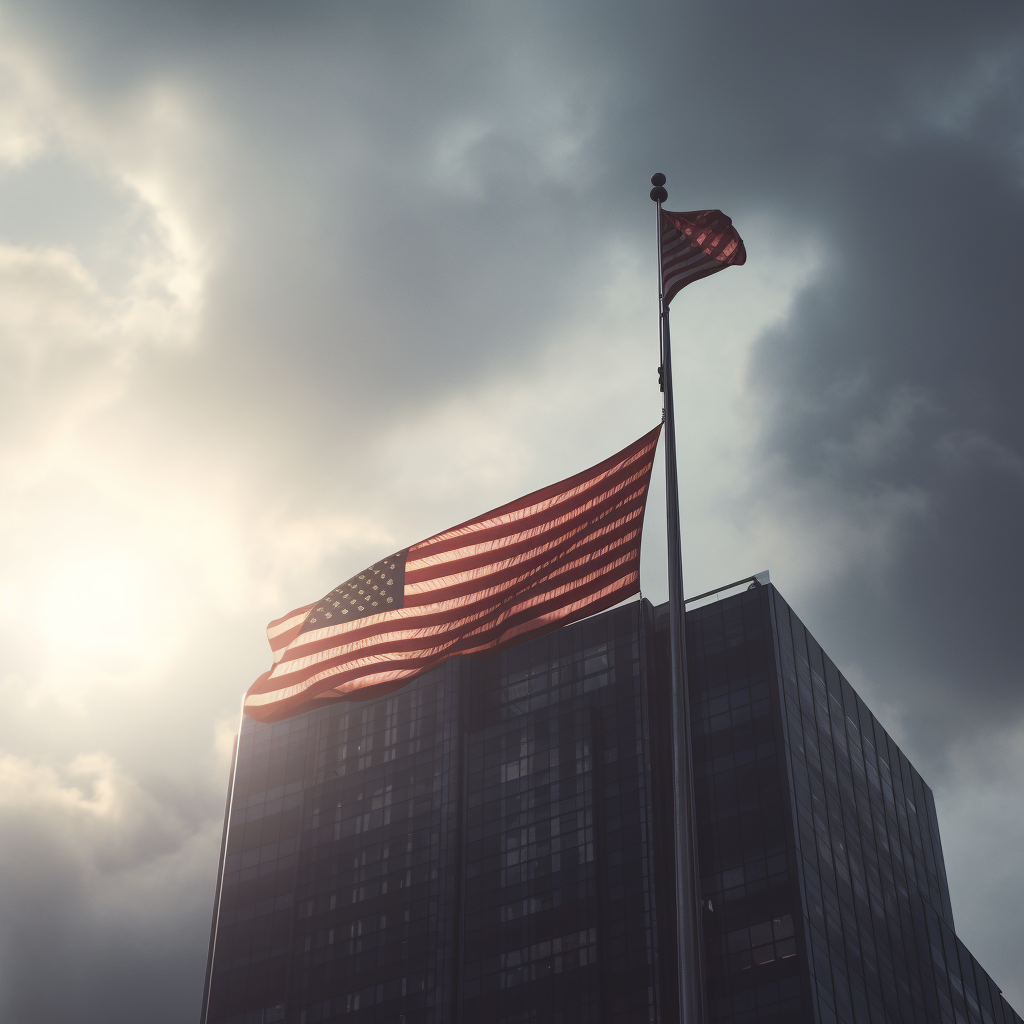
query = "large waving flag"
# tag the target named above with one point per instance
(696, 245)
(554, 556)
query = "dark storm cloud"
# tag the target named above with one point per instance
(896, 141)
(919, 313)
(410, 198)
(912, 178)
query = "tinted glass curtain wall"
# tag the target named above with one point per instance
(825, 889)
(494, 843)
(476, 846)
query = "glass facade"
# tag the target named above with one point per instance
(751, 908)
(822, 872)
(493, 843)
(878, 941)
(340, 883)
(558, 910)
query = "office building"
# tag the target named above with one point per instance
(493, 842)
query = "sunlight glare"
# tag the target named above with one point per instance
(97, 607)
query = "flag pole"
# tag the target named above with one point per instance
(689, 930)
(218, 892)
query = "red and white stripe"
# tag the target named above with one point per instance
(554, 556)
(695, 245)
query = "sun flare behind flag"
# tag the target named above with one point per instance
(549, 558)
(696, 245)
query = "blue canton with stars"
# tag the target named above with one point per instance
(381, 588)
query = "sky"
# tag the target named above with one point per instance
(284, 288)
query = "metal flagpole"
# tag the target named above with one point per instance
(689, 931)
(204, 1013)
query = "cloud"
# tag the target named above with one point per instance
(981, 787)
(94, 861)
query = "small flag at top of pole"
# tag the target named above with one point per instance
(695, 244)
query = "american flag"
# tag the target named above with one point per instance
(554, 556)
(695, 245)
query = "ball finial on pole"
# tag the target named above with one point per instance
(658, 193)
